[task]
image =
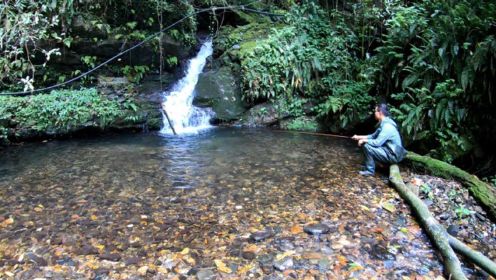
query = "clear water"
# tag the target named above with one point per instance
(150, 197)
(178, 103)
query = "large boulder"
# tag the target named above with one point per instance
(145, 54)
(220, 89)
(83, 26)
(265, 114)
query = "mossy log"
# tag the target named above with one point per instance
(482, 192)
(477, 258)
(436, 232)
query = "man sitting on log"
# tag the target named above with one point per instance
(384, 145)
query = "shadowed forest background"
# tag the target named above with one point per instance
(324, 65)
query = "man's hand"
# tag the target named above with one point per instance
(359, 137)
(361, 142)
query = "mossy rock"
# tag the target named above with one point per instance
(66, 112)
(241, 41)
(265, 114)
(220, 90)
(243, 18)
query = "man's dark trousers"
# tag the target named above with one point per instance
(373, 154)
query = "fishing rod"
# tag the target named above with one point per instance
(314, 133)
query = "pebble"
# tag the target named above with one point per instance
(132, 260)
(261, 235)
(267, 269)
(453, 230)
(428, 202)
(284, 245)
(248, 255)
(265, 261)
(205, 274)
(327, 250)
(36, 259)
(102, 272)
(110, 257)
(316, 229)
(380, 252)
(87, 250)
(284, 264)
(389, 264)
(66, 261)
(324, 265)
(444, 216)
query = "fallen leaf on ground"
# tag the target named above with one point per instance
(221, 266)
(296, 229)
(388, 206)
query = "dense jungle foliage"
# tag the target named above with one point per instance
(35, 32)
(432, 61)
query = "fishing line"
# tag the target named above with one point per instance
(314, 133)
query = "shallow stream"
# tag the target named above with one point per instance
(151, 206)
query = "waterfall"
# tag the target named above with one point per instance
(178, 103)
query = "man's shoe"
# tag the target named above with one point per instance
(366, 173)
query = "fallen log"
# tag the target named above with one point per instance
(436, 232)
(477, 258)
(482, 192)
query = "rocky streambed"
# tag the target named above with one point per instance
(224, 204)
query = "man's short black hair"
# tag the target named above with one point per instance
(382, 107)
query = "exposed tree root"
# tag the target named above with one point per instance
(442, 240)
(477, 258)
(436, 232)
(482, 192)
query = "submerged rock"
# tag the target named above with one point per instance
(205, 274)
(248, 255)
(32, 257)
(261, 235)
(316, 229)
(284, 264)
(110, 257)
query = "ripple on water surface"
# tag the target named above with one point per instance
(154, 206)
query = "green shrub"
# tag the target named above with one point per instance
(312, 57)
(302, 124)
(437, 64)
(439, 116)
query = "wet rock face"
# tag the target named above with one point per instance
(220, 90)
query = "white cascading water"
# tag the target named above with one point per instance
(178, 103)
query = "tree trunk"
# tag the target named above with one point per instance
(482, 192)
(436, 232)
